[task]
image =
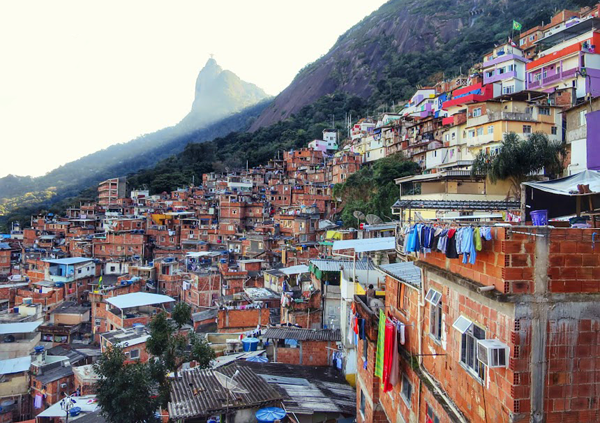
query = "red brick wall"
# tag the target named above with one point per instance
(243, 319)
(314, 353)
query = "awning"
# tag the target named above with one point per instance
(462, 324)
(366, 245)
(560, 197)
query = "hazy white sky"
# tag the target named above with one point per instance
(78, 76)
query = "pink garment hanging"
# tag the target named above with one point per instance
(390, 335)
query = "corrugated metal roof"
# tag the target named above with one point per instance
(24, 327)
(15, 365)
(456, 205)
(404, 271)
(204, 315)
(308, 389)
(295, 270)
(303, 334)
(138, 299)
(336, 265)
(199, 393)
(366, 245)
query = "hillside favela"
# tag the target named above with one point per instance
(409, 231)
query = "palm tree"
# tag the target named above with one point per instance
(521, 160)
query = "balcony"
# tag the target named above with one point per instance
(514, 116)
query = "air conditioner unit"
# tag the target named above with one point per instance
(492, 352)
(63, 385)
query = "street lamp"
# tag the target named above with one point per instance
(67, 404)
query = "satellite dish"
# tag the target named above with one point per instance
(359, 215)
(229, 383)
(373, 219)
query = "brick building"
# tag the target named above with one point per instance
(513, 337)
(308, 347)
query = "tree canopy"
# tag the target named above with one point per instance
(125, 392)
(372, 189)
(521, 160)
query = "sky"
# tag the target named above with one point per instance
(78, 76)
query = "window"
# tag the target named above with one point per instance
(434, 298)
(406, 392)
(554, 130)
(471, 134)
(511, 68)
(362, 403)
(491, 129)
(501, 70)
(431, 415)
(480, 131)
(477, 112)
(403, 298)
(527, 129)
(545, 111)
(531, 37)
(522, 41)
(509, 89)
(134, 354)
(582, 119)
(468, 351)
(112, 268)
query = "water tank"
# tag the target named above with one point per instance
(139, 328)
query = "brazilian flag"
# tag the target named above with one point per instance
(517, 26)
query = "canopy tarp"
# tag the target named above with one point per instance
(561, 196)
(568, 185)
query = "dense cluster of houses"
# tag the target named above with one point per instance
(458, 311)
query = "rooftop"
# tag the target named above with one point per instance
(69, 260)
(303, 334)
(25, 327)
(199, 393)
(15, 365)
(404, 271)
(138, 299)
(126, 337)
(308, 389)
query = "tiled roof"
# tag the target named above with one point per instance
(199, 393)
(303, 334)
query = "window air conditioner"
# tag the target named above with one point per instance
(492, 352)
(63, 385)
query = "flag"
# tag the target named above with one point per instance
(517, 26)
(511, 42)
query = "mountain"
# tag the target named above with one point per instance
(223, 103)
(219, 93)
(406, 43)
(379, 61)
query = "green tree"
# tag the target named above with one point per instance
(171, 347)
(373, 189)
(521, 160)
(125, 392)
(182, 314)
